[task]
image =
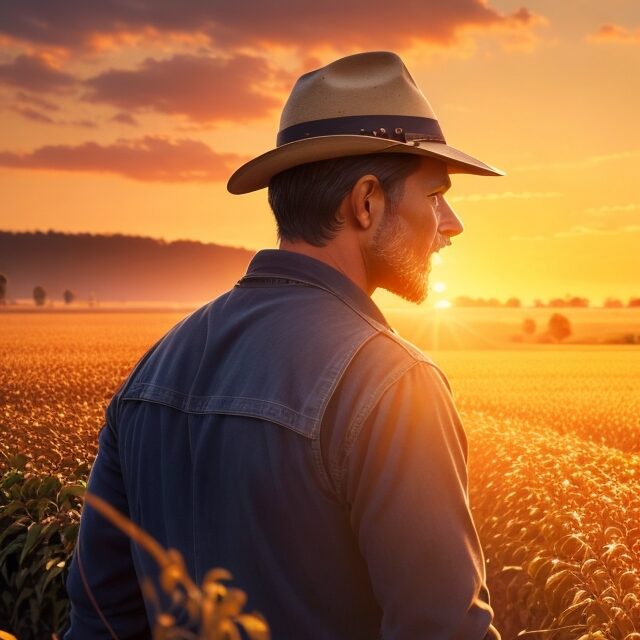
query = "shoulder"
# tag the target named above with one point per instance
(386, 358)
(385, 366)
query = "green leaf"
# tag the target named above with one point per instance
(12, 507)
(70, 533)
(23, 595)
(20, 577)
(18, 461)
(71, 490)
(30, 487)
(49, 487)
(16, 527)
(11, 478)
(33, 534)
(82, 471)
(52, 574)
(15, 546)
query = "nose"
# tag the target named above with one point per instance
(449, 224)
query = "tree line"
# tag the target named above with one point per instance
(39, 293)
(69, 296)
(568, 301)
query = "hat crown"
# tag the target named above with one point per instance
(372, 83)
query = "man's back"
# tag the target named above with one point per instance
(282, 432)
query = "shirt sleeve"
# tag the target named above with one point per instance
(405, 482)
(102, 584)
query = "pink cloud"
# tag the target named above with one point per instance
(202, 88)
(125, 118)
(615, 33)
(34, 74)
(32, 114)
(147, 159)
(75, 25)
(36, 101)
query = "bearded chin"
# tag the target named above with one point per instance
(403, 269)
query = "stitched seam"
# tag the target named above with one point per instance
(187, 396)
(356, 426)
(230, 412)
(327, 470)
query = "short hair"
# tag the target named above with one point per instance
(305, 199)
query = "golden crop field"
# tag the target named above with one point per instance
(554, 470)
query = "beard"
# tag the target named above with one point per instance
(401, 262)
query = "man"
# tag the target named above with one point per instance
(284, 431)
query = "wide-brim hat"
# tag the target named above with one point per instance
(364, 103)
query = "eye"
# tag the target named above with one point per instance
(435, 200)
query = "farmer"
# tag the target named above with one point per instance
(284, 431)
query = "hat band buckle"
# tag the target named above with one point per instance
(399, 128)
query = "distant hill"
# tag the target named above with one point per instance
(118, 268)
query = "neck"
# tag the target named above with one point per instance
(342, 256)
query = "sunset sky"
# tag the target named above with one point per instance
(123, 117)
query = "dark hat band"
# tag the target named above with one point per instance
(399, 128)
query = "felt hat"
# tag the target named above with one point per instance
(364, 103)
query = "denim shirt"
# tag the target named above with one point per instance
(285, 432)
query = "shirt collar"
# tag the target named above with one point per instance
(297, 266)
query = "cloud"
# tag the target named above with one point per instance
(88, 124)
(76, 25)
(43, 118)
(32, 114)
(202, 88)
(583, 230)
(36, 101)
(35, 74)
(584, 163)
(150, 158)
(505, 195)
(614, 33)
(616, 208)
(125, 118)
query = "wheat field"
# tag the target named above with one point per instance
(554, 455)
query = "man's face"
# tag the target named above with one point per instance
(412, 230)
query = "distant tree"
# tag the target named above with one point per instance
(634, 302)
(538, 303)
(39, 295)
(3, 288)
(493, 302)
(556, 302)
(513, 302)
(559, 326)
(529, 326)
(612, 303)
(576, 301)
(463, 301)
(68, 296)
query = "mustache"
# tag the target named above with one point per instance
(440, 242)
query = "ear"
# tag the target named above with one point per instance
(367, 201)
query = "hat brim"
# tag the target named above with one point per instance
(257, 173)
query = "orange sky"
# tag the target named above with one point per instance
(130, 121)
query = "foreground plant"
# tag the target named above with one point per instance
(39, 518)
(214, 608)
